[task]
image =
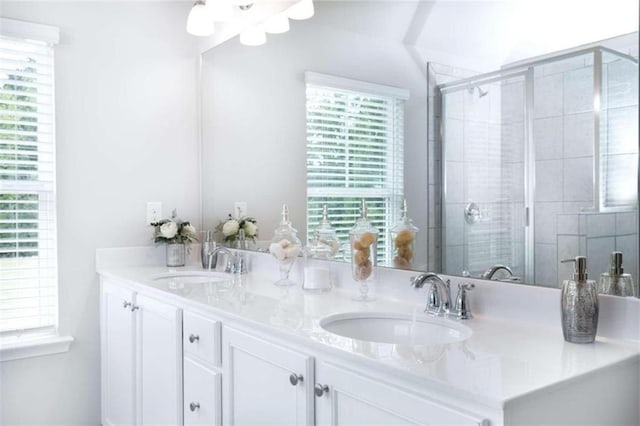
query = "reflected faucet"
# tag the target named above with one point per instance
(439, 293)
(235, 263)
(489, 273)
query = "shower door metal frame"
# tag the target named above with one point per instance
(529, 156)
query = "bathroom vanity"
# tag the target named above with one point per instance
(184, 346)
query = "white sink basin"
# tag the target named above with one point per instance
(396, 328)
(192, 277)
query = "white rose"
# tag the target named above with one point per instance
(230, 227)
(250, 229)
(189, 229)
(169, 230)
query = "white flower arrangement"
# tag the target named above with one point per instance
(230, 228)
(173, 230)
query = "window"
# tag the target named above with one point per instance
(28, 281)
(354, 151)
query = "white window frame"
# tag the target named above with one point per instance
(392, 192)
(35, 341)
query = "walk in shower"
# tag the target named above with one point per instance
(539, 162)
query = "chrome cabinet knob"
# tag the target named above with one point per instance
(134, 308)
(125, 304)
(295, 379)
(320, 390)
(194, 338)
(194, 406)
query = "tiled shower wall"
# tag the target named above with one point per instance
(564, 142)
(437, 74)
(563, 138)
(596, 235)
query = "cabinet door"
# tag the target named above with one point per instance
(354, 399)
(159, 362)
(260, 385)
(117, 355)
(201, 395)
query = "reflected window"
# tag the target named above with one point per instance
(355, 138)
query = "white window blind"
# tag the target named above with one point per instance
(28, 264)
(355, 135)
(618, 141)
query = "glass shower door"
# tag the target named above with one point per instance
(485, 176)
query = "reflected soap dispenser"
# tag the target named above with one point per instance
(579, 303)
(615, 281)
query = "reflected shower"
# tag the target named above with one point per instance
(481, 93)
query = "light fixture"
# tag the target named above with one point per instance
(277, 24)
(200, 22)
(301, 10)
(253, 36)
(221, 10)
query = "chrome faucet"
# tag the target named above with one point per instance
(489, 273)
(438, 295)
(235, 263)
(461, 309)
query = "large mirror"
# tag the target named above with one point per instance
(519, 128)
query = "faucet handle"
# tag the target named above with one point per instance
(461, 309)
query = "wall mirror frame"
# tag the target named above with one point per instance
(486, 126)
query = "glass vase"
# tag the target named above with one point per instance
(363, 238)
(285, 248)
(285, 268)
(176, 254)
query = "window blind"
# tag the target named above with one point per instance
(28, 264)
(618, 142)
(354, 151)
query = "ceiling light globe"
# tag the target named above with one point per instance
(221, 10)
(277, 24)
(199, 22)
(301, 10)
(253, 36)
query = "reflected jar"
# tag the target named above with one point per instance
(364, 239)
(403, 235)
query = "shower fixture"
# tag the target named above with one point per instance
(481, 93)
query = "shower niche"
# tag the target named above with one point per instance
(534, 163)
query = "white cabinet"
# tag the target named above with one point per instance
(346, 397)
(159, 362)
(118, 356)
(265, 383)
(141, 359)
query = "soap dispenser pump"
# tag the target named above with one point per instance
(615, 281)
(579, 303)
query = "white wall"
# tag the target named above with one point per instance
(126, 134)
(254, 119)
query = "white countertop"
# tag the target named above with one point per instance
(502, 361)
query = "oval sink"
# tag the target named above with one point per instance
(395, 328)
(192, 277)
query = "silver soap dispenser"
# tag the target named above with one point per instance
(616, 281)
(579, 303)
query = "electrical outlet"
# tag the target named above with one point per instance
(240, 208)
(154, 211)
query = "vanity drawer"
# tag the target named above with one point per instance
(201, 338)
(202, 386)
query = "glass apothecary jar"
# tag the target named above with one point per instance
(317, 266)
(285, 247)
(363, 238)
(403, 235)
